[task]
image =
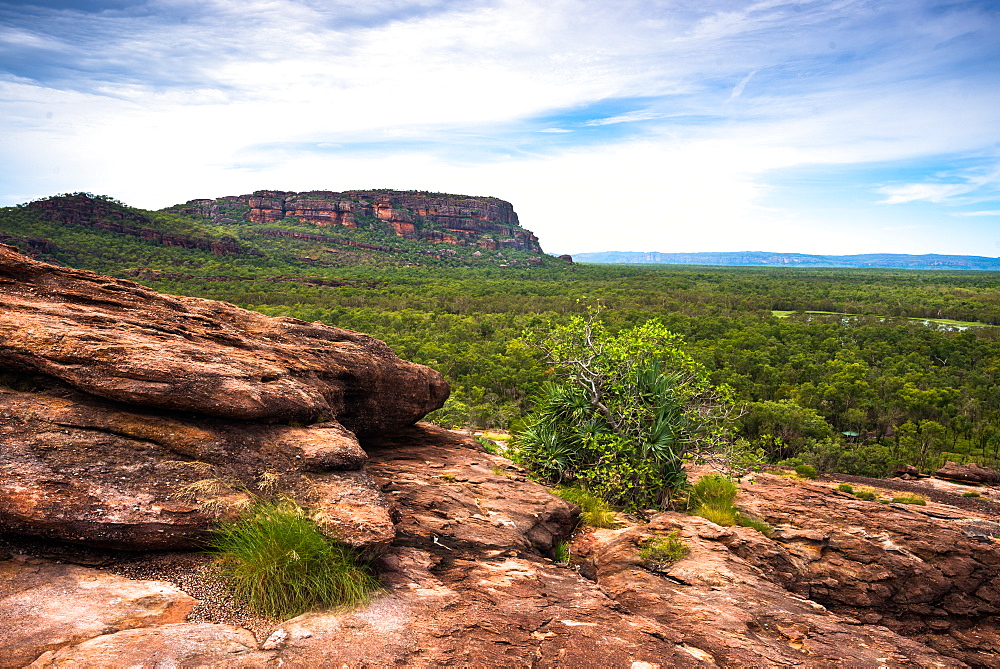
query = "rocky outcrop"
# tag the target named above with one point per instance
(135, 420)
(469, 583)
(119, 340)
(928, 572)
(434, 217)
(971, 472)
(101, 213)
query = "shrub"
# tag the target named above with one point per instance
(806, 471)
(663, 550)
(845, 487)
(909, 498)
(594, 511)
(279, 564)
(627, 410)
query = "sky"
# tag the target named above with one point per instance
(825, 127)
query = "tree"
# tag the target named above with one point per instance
(625, 413)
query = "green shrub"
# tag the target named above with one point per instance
(594, 511)
(279, 564)
(971, 493)
(866, 495)
(909, 498)
(663, 550)
(845, 487)
(806, 471)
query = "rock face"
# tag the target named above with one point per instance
(435, 217)
(971, 472)
(118, 340)
(468, 583)
(125, 414)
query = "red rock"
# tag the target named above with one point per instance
(45, 606)
(118, 340)
(971, 472)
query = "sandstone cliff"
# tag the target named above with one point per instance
(486, 222)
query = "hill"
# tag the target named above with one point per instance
(268, 232)
(769, 259)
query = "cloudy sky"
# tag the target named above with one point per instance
(832, 126)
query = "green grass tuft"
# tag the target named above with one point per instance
(909, 498)
(845, 487)
(594, 511)
(561, 552)
(866, 495)
(663, 550)
(280, 565)
(971, 493)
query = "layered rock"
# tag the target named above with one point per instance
(970, 472)
(99, 213)
(135, 420)
(434, 217)
(468, 584)
(116, 339)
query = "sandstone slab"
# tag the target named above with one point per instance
(45, 606)
(76, 468)
(173, 645)
(118, 340)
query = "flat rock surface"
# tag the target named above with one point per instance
(45, 606)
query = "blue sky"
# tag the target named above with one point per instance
(833, 126)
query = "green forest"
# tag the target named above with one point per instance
(850, 370)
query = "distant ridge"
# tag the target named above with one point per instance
(768, 259)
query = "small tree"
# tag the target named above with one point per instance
(627, 411)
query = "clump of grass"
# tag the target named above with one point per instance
(909, 498)
(594, 511)
(971, 493)
(761, 526)
(846, 487)
(806, 471)
(280, 565)
(561, 552)
(866, 495)
(663, 550)
(713, 498)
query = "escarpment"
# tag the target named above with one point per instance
(441, 218)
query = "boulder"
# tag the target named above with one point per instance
(906, 472)
(118, 340)
(136, 420)
(971, 472)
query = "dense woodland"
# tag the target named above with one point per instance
(864, 382)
